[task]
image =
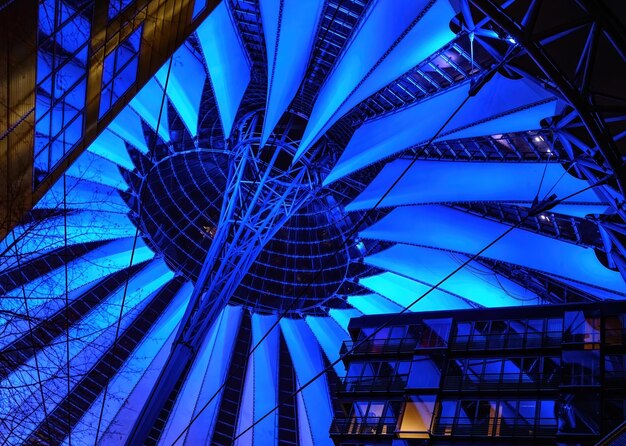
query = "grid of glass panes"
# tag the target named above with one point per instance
(116, 6)
(198, 7)
(120, 70)
(64, 35)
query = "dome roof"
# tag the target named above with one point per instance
(417, 134)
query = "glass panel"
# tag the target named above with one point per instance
(417, 416)
(425, 373)
(578, 413)
(581, 327)
(581, 368)
(119, 71)
(116, 6)
(198, 7)
(614, 331)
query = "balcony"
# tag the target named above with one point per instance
(500, 381)
(495, 427)
(379, 346)
(363, 426)
(507, 341)
(383, 384)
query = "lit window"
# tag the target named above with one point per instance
(120, 70)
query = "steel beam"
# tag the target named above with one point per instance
(258, 199)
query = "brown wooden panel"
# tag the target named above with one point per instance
(167, 24)
(18, 61)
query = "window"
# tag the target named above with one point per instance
(581, 328)
(417, 416)
(578, 413)
(198, 7)
(120, 70)
(581, 368)
(377, 375)
(614, 330)
(425, 373)
(615, 370)
(371, 418)
(62, 59)
(495, 418)
(116, 6)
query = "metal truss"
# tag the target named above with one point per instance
(539, 146)
(263, 191)
(570, 229)
(340, 19)
(590, 128)
(247, 15)
(449, 66)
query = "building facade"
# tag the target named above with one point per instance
(534, 375)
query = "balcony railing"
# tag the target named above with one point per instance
(393, 383)
(615, 336)
(503, 341)
(494, 427)
(364, 426)
(377, 346)
(496, 381)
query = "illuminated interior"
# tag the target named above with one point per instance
(337, 159)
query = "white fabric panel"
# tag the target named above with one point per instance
(217, 370)
(330, 336)
(127, 125)
(342, 317)
(404, 291)
(226, 61)
(134, 379)
(386, 45)
(265, 378)
(307, 361)
(474, 282)
(147, 104)
(446, 228)
(289, 27)
(205, 377)
(110, 146)
(456, 181)
(374, 304)
(184, 86)
(502, 106)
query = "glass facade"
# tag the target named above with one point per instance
(64, 35)
(120, 70)
(546, 376)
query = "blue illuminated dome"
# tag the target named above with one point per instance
(359, 152)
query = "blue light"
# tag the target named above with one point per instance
(502, 106)
(119, 71)
(404, 291)
(307, 360)
(446, 228)
(127, 125)
(378, 54)
(458, 181)
(474, 282)
(373, 304)
(208, 372)
(330, 337)
(227, 63)
(288, 46)
(184, 86)
(147, 104)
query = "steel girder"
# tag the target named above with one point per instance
(258, 199)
